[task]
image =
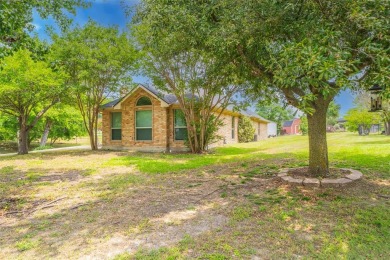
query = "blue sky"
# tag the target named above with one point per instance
(111, 12)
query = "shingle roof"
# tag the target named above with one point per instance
(288, 123)
(171, 99)
(111, 103)
(252, 114)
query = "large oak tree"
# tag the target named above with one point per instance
(28, 89)
(306, 51)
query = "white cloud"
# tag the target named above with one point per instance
(37, 27)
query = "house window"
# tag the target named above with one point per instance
(233, 126)
(180, 125)
(144, 101)
(143, 120)
(143, 125)
(116, 126)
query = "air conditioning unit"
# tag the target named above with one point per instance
(255, 138)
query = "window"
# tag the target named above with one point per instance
(180, 125)
(116, 126)
(143, 125)
(233, 126)
(144, 101)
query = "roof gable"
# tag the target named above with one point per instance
(153, 92)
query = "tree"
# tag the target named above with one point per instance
(16, 20)
(28, 89)
(246, 131)
(304, 127)
(276, 113)
(386, 109)
(332, 114)
(202, 84)
(98, 61)
(306, 51)
(363, 102)
(8, 127)
(61, 122)
(360, 120)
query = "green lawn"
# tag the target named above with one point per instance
(223, 205)
(345, 150)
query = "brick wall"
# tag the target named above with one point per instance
(226, 131)
(128, 107)
(174, 145)
(163, 127)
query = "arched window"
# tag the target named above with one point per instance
(143, 120)
(144, 101)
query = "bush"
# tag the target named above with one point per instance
(246, 131)
(304, 127)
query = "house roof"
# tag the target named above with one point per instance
(171, 99)
(288, 123)
(252, 114)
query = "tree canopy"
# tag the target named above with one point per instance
(28, 89)
(305, 51)
(276, 113)
(202, 83)
(360, 120)
(16, 20)
(98, 61)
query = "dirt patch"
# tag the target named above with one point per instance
(303, 172)
(66, 176)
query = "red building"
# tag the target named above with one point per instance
(291, 127)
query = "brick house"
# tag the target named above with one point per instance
(292, 127)
(147, 120)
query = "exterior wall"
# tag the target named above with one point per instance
(226, 131)
(294, 128)
(272, 128)
(263, 131)
(260, 130)
(174, 145)
(128, 107)
(163, 127)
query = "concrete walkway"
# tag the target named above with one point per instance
(71, 148)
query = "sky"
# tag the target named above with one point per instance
(112, 12)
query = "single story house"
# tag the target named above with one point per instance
(148, 120)
(291, 127)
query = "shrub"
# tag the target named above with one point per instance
(246, 131)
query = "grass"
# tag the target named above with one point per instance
(222, 205)
(345, 150)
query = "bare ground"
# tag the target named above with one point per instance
(66, 211)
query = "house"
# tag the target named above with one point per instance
(272, 130)
(291, 127)
(148, 120)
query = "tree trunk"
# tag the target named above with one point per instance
(387, 128)
(318, 148)
(45, 134)
(92, 138)
(23, 136)
(96, 114)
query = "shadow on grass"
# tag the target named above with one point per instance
(368, 142)
(373, 166)
(346, 213)
(167, 163)
(54, 154)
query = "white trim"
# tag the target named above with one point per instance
(163, 103)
